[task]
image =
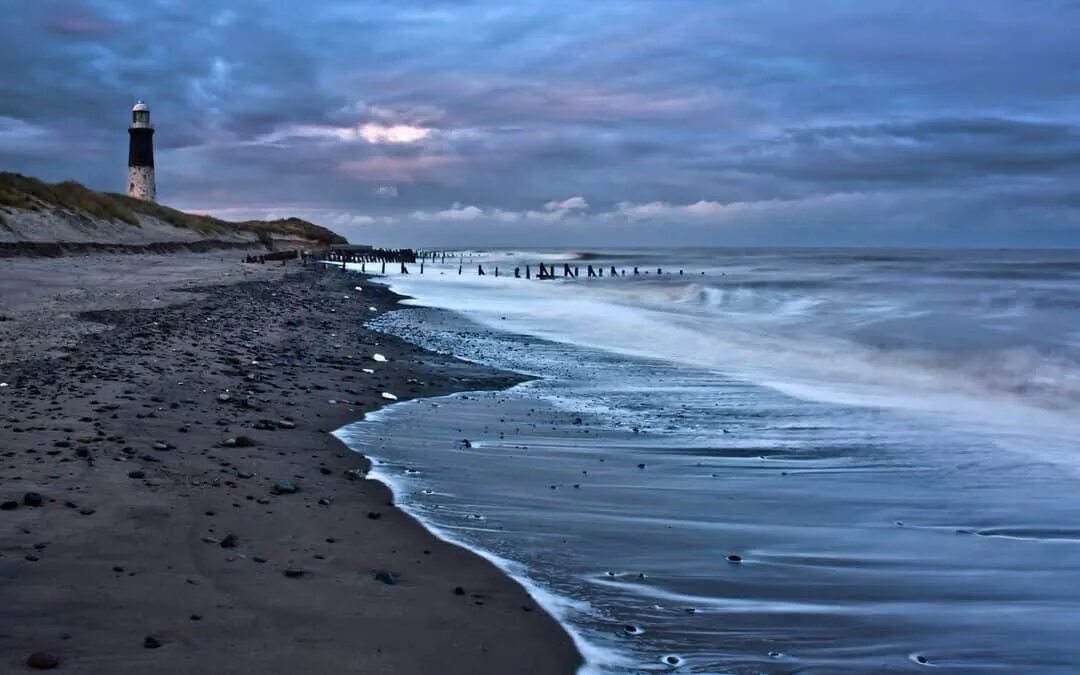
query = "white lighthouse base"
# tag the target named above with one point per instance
(141, 183)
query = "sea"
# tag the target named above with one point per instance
(760, 460)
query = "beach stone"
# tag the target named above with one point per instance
(387, 577)
(33, 499)
(43, 661)
(733, 558)
(458, 590)
(151, 642)
(286, 424)
(224, 398)
(285, 487)
(137, 474)
(239, 442)
(294, 573)
(229, 541)
(9, 506)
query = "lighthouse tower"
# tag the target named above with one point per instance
(141, 155)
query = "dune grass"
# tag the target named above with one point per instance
(23, 192)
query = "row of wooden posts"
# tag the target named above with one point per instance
(383, 255)
(544, 271)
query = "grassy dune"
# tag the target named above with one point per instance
(23, 192)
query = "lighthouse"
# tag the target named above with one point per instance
(141, 155)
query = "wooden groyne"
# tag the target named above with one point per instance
(364, 255)
(367, 254)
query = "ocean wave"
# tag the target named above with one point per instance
(987, 355)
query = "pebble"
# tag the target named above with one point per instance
(137, 474)
(151, 642)
(9, 506)
(294, 573)
(230, 541)
(733, 558)
(33, 499)
(387, 577)
(285, 487)
(43, 661)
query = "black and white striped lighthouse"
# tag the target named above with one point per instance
(141, 155)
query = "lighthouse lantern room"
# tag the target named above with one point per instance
(141, 154)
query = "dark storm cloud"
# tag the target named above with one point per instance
(931, 153)
(450, 121)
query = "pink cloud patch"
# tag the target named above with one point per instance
(78, 20)
(397, 169)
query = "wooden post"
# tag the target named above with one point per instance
(480, 268)
(384, 267)
(421, 266)
(592, 272)
(659, 271)
(528, 272)
(496, 270)
(517, 272)
(566, 271)
(636, 271)
(613, 272)
(404, 270)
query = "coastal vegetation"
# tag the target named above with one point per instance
(30, 194)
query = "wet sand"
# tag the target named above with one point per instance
(161, 544)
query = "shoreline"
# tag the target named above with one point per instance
(94, 575)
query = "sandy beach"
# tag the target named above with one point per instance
(173, 500)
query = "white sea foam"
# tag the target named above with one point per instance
(598, 659)
(1025, 399)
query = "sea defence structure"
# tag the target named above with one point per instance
(141, 184)
(343, 254)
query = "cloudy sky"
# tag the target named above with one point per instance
(558, 122)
